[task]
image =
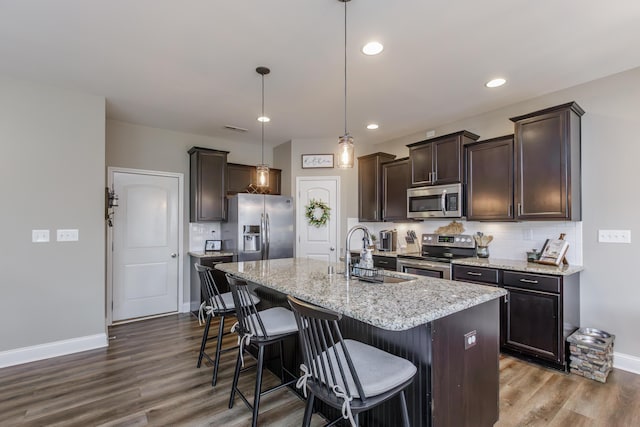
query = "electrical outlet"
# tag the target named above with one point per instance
(470, 339)
(70, 235)
(614, 236)
(39, 236)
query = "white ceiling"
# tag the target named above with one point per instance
(190, 65)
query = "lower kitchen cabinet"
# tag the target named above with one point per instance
(218, 276)
(536, 316)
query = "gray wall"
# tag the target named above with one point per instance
(52, 163)
(610, 294)
(141, 147)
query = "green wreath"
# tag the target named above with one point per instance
(317, 213)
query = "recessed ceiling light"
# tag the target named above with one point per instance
(495, 82)
(372, 48)
(372, 126)
(264, 119)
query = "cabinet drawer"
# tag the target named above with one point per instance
(532, 281)
(476, 274)
(388, 263)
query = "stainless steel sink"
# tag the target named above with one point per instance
(386, 279)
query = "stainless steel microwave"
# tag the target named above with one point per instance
(437, 201)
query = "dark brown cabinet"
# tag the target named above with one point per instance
(490, 180)
(537, 315)
(370, 186)
(239, 177)
(547, 164)
(396, 178)
(208, 178)
(439, 160)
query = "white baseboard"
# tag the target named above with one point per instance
(626, 362)
(22, 355)
(185, 307)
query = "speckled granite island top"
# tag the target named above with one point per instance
(391, 306)
(514, 265)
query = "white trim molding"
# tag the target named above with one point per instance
(626, 362)
(22, 355)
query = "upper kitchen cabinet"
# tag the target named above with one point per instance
(490, 180)
(439, 160)
(208, 172)
(239, 177)
(547, 164)
(396, 178)
(370, 186)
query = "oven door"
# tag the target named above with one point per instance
(439, 270)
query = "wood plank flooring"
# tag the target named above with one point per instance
(147, 377)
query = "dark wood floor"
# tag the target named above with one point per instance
(147, 376)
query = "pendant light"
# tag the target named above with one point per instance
(262, 170)
(345, 142)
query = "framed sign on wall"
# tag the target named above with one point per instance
(310, 161)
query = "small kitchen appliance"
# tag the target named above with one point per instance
(436, 201)
(388, 239)
(436, 254)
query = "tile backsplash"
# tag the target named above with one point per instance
(199, 232)
(510, 240)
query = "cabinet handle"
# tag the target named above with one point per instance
(471, 273)
(506, 298)
(383, 262)
(519, 209)
(509, 209)
(535, 282)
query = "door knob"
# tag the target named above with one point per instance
(332, 249)
(174, 255)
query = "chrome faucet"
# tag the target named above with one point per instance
(347, 247)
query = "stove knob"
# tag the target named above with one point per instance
(457, 239)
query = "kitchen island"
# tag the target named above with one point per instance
(448, 329)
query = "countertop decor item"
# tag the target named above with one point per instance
(454, 227)
(317, 213)
(482, 244)
(554, 251)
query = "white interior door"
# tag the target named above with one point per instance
(145, 255)
(318, 242)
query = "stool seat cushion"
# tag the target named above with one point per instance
(227, 298)
(276, 321)
(378, 370)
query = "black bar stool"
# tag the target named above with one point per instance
(259, 329)
(215, 304)
(345, 374)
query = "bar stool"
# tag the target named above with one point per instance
(345, 374)
(218, 305)
(260, 329)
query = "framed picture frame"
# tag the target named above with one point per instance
(553, 252)
(212, 245)
(312, 161)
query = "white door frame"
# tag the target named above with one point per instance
(109, 285)
(336, 210)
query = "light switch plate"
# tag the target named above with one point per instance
(39, 236)
(68, 235)
(614, 236)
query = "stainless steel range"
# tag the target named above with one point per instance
(436, 254)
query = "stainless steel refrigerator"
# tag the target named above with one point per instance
(259, 227)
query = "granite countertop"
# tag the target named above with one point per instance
(515, 265)
(211, 254)
(391, 306)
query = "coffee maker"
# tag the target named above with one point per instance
(388, 240)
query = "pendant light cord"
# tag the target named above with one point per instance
(262, 121)
(345, 68)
